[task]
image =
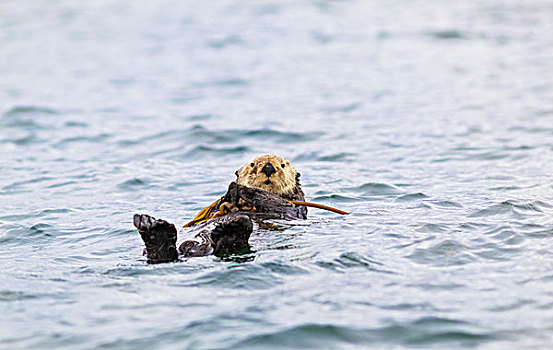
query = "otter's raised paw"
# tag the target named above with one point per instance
(159, 236)
(232, 234)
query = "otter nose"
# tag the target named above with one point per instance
(268, 169)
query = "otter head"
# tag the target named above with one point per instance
(270, 173)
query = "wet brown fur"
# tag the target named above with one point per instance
(285, 182)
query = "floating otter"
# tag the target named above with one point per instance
(262, 190)
(270, 173)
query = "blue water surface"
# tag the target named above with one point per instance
(431, 120)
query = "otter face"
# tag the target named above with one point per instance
(270, 173)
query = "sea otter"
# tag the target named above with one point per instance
(262, 190)
(267, 172)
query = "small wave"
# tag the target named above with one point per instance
(409, 306)
(230, 40)
(21, 123)
(490, 155)
(74, 259)
(351, 260)
(482, 156)
(10, 295)
(231, 82)
(133, 184)
(502, 243)
(200, 152)
(282, 136)
(284, 269)
(201, 134)
(136, 270)
(375, 189)
(26, 140)
(435, 228)
(511, 305)
(445, 253)
(512, 206)
(337, 198)
(533, 129)
(495, 209)
(248, 277)
(411, 197)
(307, 336)
(62, 184)
(76, 124)
(447, 34)
(444, 204)
(536, 231)
(423, 332)
(501, 232)
(321, 37)
(335, 157)
(35, 214)
(22, 234)
(317, 156)
(505, 188)
(345, 108)
(19, 111)
(85, 139)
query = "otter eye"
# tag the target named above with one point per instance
(282, 165)
(252, 164)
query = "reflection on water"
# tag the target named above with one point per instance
(432, 120)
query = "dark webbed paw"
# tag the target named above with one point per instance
(231, 235)
(232, 195)
(260, 199)
(159, 236)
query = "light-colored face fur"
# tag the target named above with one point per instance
(258, 173)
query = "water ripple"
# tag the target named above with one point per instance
(512, 207)
(134, 184)
(411, 197)
(424, 332)
(25, 111)
(375, 189)
(447, 34)
(247, 277)
(9, 295)
(37, 233)
(200, 152)
(351, 260)
(323, 157)
(445, 253)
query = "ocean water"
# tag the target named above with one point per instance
(431, 120)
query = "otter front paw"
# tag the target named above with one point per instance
(239, 196)
(232, 234)
(159, 236)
